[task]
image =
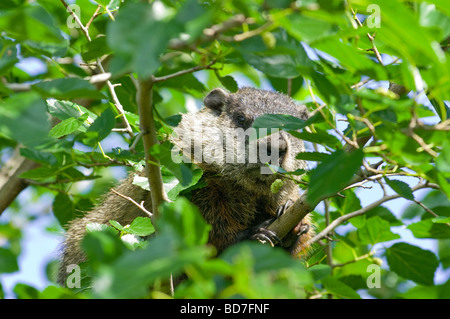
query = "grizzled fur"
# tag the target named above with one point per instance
(237, 198)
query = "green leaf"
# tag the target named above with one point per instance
(182, 218)
(411, 262)
(443, 159)
(39, 173)
(66, 109)
(181, 171)
(103, 124)
(385, 214)
(23, 291)
(282, 85)
(339, 289)
(160, 259)
(102, 246)
(35, 27)
(63, 209)
(97, 227)
(272, 122)
(141, 226)
(319, 137)
(330, 176)
(139, 50)
(441, 220)
(400, 188)
(264, 257)
(9, 261)
(228, 82)
(24, 118)
(67, 126)
(41, 157)
(312, 156)
(276, 186)
(429, 229)
(376, 230)
(306, 28)
(320, 271)
(176, 189)
(67, 89)
(444, 252)
(95, 49)
(287, 60)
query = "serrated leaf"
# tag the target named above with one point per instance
(63, 209)
(228, 82)
(276, 186)
(103, 124)
(376, 230)
(400, 188)
(67, 109)
(330, 176)
(141, 226)
(67, 126)
(411, 262)
(429, 229)
(339, 289)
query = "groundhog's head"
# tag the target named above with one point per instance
(220, 137)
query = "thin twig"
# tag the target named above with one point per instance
(365, 256)
(182, 72)
(141, 205)
(110, 86)
(338, 221)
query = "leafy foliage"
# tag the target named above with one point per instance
(66, 91)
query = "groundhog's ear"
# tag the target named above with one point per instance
(216, 99)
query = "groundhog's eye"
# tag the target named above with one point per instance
(241, 121)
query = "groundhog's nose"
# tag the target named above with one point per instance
(275, 145)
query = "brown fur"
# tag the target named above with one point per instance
(237, 197)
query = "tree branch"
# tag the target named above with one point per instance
(148, 134)
(10, 183)
(182, 72)
(141, 205)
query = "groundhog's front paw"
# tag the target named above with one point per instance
(283, 208)
(264, 235)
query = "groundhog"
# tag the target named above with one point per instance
(237, 200)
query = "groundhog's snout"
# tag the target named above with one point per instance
(274, 146)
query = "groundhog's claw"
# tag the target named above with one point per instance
(283, 208)
(264, 235)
